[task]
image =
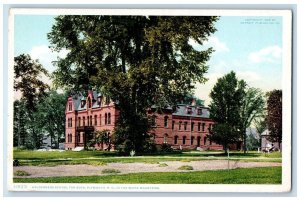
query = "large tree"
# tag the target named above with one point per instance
(226, 101)
(27, 80)
(138, 61)
(51, 116)
(274, 116)
(252, 108)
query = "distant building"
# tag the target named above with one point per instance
(266, 144)
(185, 128)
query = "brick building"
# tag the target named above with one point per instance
(186, 128)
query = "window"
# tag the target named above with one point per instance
(198, 141)
(176, 139)
(71, 122)
(83, 121)
(82, 103)
(107, 100)
(205, 138)
(95, 120)
(166, 121)
(185, 126)
(88, 120)
(166, 138)
(70, 138)
(70, 106)
(192, 126)
(109, 119)
(105, 120)
(183, 139)
(199, 111)
(153, 121)
(209, 127)
(173, 123)
(179, 126)
(210, 142)
(203, 126)
(192, 140)
(79, 119)
(91, 120)
(189, 110)
(100, 120)
(99, 100)
(78, 137)
(199, 126)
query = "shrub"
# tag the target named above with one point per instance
(21, 173)
(110, 171)
(163, 165)
(166, 148)
(186, 167)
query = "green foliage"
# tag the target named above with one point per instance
(252, 142)
(110, 171)
(253, 106)
(234, 106)
(138, 61)
(21, 173)
(166, 148)
(27, 80)
(274, 115)
(51, 116)
(101, 137)
(227, 96)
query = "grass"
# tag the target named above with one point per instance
(110, 171)
(265, 175)
(54, 158)
(185, 167)
(21, 173)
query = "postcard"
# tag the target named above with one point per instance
(149, 100)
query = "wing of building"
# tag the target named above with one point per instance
(185, 128)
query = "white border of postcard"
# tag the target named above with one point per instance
(286, 124)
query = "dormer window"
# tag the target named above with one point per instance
(70, 106)
(199, 111)
(189, 110)
(99, 100)
(82, 103)
(107, 100)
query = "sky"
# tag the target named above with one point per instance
(250, 46)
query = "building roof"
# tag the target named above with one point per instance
(182, 110)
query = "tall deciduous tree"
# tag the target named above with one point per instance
(252, 107)
(260, 125)
(51, 116)
(227, 98)
(138, 61)
(27, 80)
(274, 116)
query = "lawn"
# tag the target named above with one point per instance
(265, 175)
(100, 158)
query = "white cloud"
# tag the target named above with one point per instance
(213, 42)
(271, 54)
(248, 76)
(45, 56)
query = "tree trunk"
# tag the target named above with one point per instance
(245, 145)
